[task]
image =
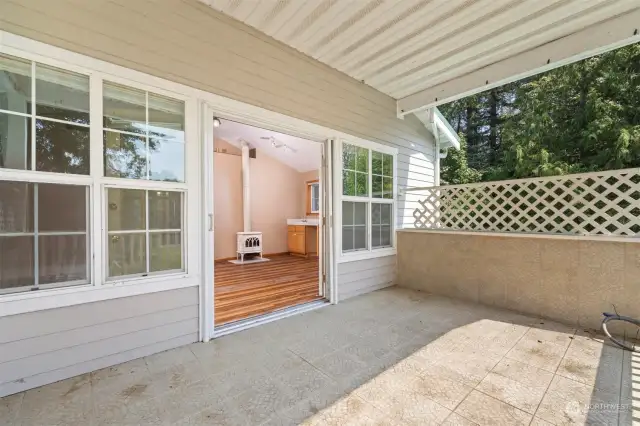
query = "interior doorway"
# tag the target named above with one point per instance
(268, 235)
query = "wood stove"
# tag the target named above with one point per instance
(248, 243)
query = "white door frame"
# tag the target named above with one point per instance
(265, 119)
(206, 297)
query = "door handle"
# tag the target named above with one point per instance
(210, 222)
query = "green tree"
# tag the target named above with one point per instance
(455, 167)
(581, 117)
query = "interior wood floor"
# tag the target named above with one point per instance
(244, 291)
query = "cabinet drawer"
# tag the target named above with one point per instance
(291, 228)
(299, 228)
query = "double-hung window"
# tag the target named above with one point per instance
(367, 197)
(144, 145)
(44, 184)
(80, 154)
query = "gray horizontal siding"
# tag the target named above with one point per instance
(41, 347)
(190, 43)
(364, 276)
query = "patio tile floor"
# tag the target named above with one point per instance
(392, 357)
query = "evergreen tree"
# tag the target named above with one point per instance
(581, 117)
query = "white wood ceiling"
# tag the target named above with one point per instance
(401, 47)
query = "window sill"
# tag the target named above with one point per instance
(364, 255)
(21, 303)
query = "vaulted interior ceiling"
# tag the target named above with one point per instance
(423, 52)
(299, 154)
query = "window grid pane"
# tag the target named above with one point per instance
(44, 235)
(144, 232)
(355, 171)
(44, 125)
(61, 95)
(354, 226)
(18, 80)
(165, 251)
(381, 216)
(144, 135)
(382, 175)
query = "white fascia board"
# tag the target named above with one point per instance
(433, 116)
(443, 126)
(594, 40)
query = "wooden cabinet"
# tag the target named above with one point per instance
(296, 240)
(302, 240)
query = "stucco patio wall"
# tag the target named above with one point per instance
(568, 279)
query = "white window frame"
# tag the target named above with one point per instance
(98, 287)
(369, 252)
(315, 185)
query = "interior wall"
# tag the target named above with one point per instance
(276, 195)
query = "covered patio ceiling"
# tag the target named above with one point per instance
(427, 52)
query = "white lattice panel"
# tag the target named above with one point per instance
(604, 203)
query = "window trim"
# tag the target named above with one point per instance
(98, 288)
(309, 195)
(369, 252)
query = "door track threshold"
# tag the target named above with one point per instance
(266, 318)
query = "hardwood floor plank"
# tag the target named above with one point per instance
(244, 291)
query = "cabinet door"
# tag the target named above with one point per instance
(296, 242)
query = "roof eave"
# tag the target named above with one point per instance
(446, 136)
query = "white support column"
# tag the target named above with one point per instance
(436, 147)
(246, 187)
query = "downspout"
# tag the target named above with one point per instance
(436, 156)
(246, 187)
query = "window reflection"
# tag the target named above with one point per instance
(166, 118)
(165, 210)
(62, 95)
(166, 160)
(15, 146)
(62, 147)
(125, 156)
(166, 251)
(62, 258)
(127, 254)
(15, 84)
(124, 108)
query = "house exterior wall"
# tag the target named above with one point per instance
(190, 43)
(571, 280)
(187, 42)
(46, 346)
(363, 276)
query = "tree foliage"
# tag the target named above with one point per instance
(578, 118)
